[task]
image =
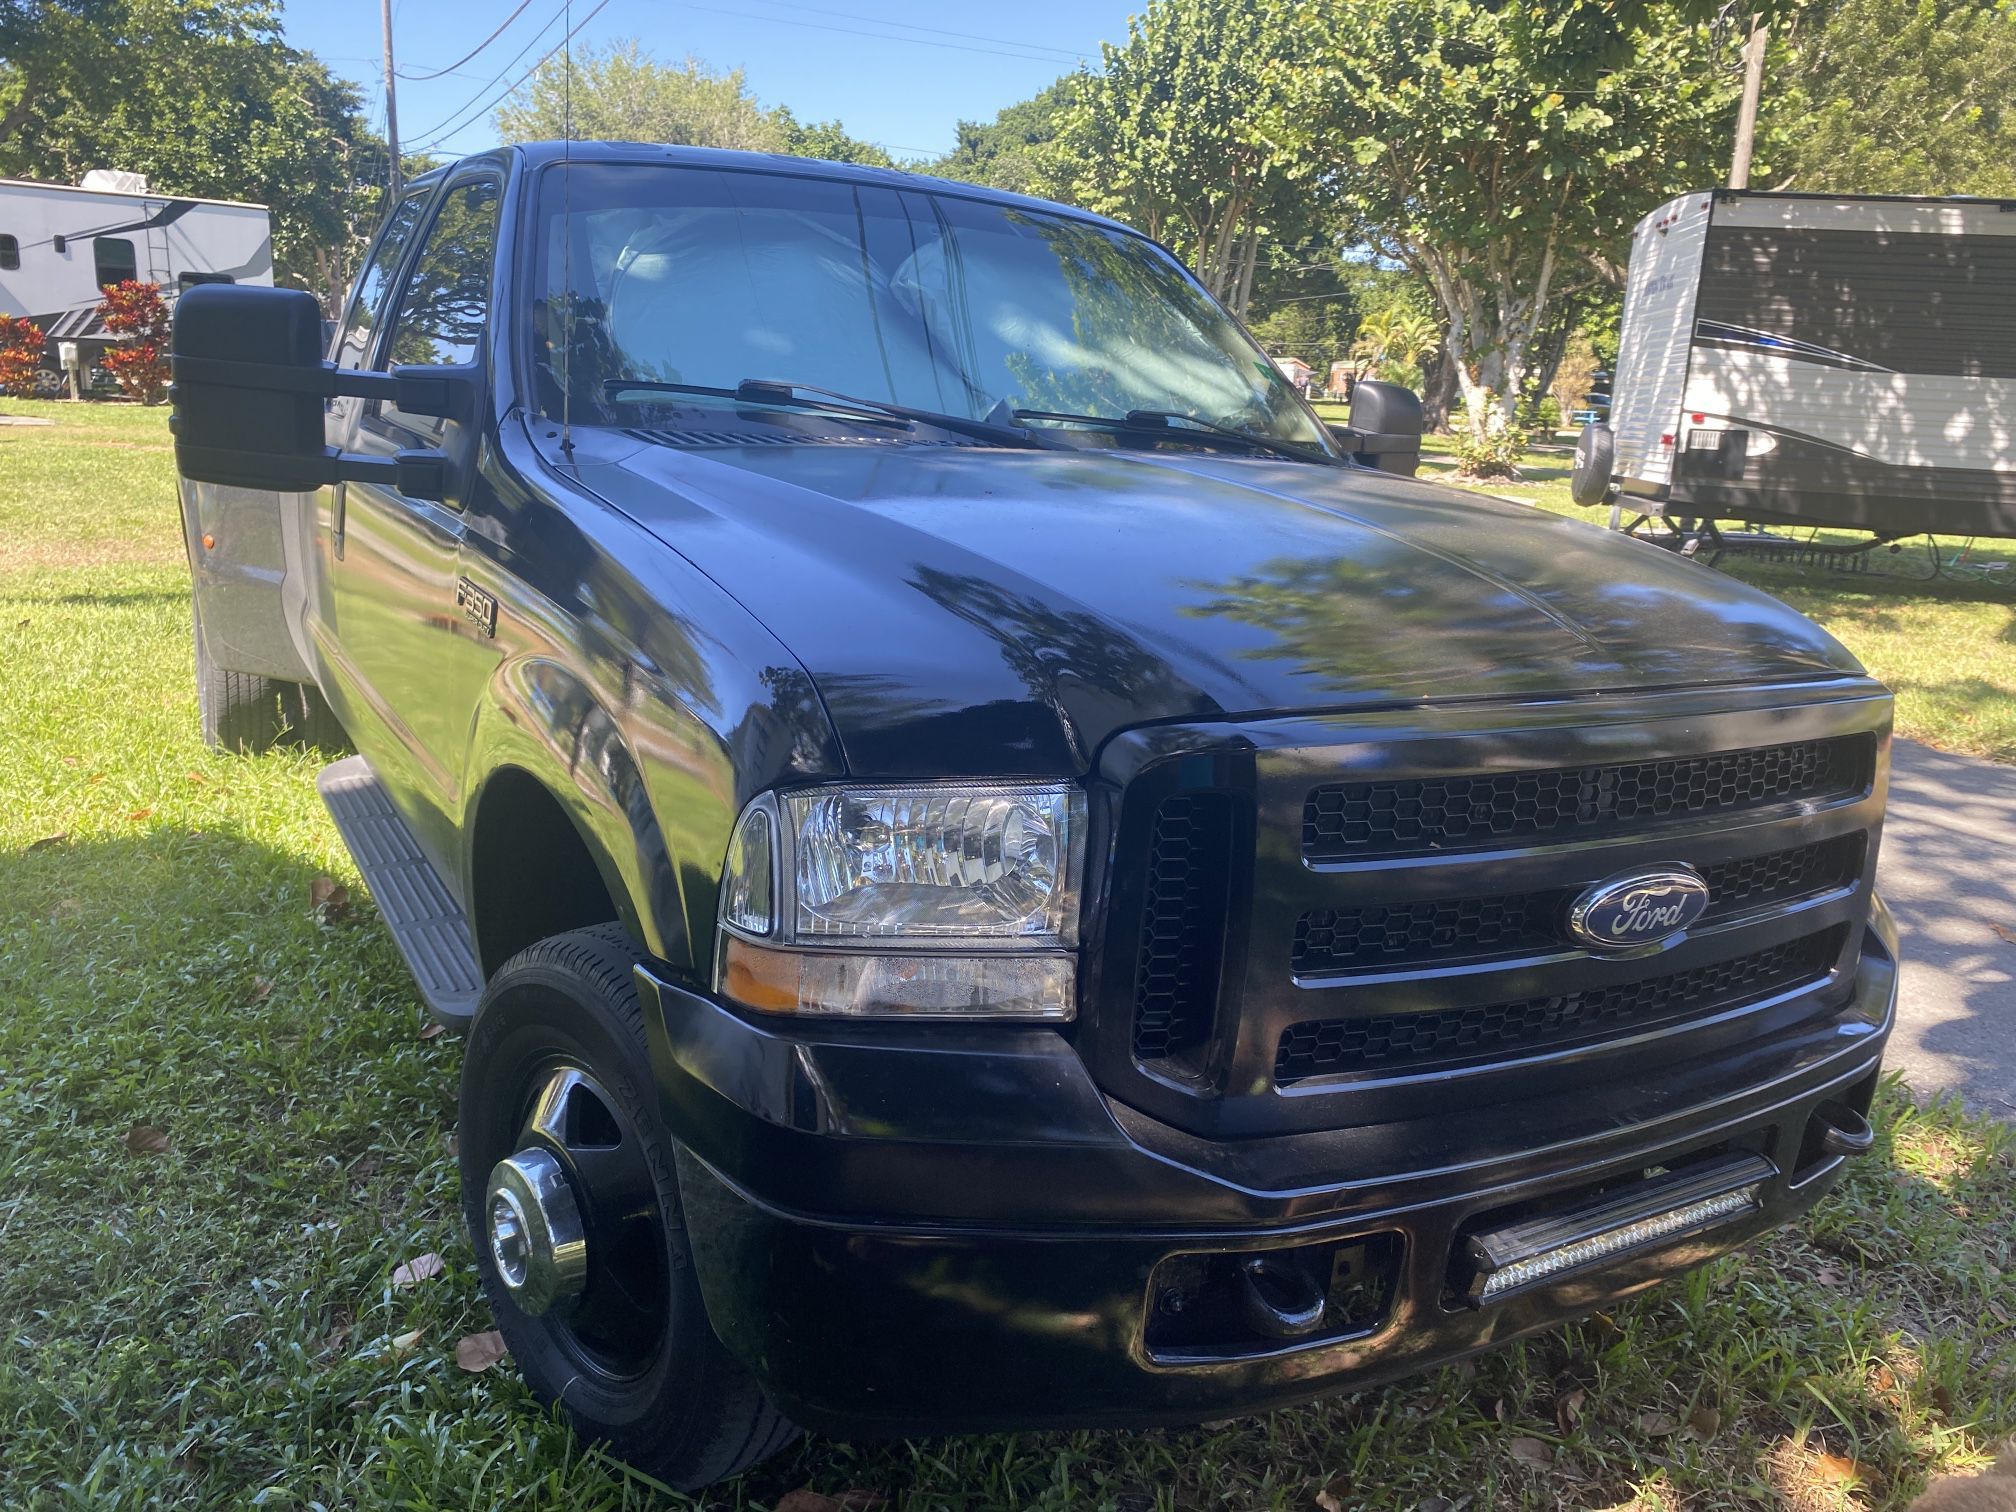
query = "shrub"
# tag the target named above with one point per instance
(138, 316)
(1487, 445)
(21, 346)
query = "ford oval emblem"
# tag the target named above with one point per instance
(1638, 909)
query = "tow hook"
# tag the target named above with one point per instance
(1279, 1299)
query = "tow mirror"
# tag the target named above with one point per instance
(1385, 429)
(248, 391)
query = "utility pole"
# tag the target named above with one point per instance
(1746, 118)
(391, 99)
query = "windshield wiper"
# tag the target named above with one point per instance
(806, 396)
(1177, 422)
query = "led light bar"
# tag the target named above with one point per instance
(1656, 1210)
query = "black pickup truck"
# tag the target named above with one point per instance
(998, 871)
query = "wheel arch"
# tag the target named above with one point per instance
(561, 824)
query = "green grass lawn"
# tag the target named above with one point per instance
(215, 1324)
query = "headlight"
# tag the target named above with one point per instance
(953, 900)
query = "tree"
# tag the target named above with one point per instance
(831, 141)
(622, 94)
(1018, 150)
(1574, 374)
(1486, 147)
(1179, 135)
(204, 98)
(1895, 97)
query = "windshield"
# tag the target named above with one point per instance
(705, 279)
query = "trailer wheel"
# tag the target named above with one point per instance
(1595, 463)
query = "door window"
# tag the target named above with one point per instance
(114, 259)
(446, 301)
(367, 299)
(10, 254)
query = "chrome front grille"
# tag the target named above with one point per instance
(1370, 914)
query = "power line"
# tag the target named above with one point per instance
(820, 10)
(439, 72)
(491, 82)
(513, 89)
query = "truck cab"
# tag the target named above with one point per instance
(997, 872)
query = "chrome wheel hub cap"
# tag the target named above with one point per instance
(536, 1234)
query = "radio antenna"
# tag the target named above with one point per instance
(567, 232)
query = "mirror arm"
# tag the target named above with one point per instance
(446, 393)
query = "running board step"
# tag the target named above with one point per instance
(430, 929)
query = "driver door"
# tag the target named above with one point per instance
(413, 663)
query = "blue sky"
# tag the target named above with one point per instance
(898, 72)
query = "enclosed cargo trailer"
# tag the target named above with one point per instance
(1816, 360)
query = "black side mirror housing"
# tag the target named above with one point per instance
(1385, 429)
(248, 391)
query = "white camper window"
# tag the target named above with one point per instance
(10, 254)
(114, 260)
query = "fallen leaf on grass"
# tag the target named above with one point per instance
(145, 1139)
(401, 1343)
(2001, 1313)
(2008, 934)
(49, 840)
(477, 1352)
(1532, 1451)
(329, 898)
(1705, 1421)
(72, 761)
(262, 989)
(198, 778)
(432, 1031)
(138, 814)
(1837, 1470)
(1827, 1275)
(419, 1268)
(1656, 1424)
(1568, 1410)
(1328, 1502)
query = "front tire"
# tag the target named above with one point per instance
(557, 1072)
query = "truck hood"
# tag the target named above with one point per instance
(965, 609)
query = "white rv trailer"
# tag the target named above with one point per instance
(1807, 359)
(61, 243)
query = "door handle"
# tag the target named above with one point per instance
(338, 496)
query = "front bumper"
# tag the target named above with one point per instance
(956, 1231)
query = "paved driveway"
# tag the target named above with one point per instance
(1948, 871)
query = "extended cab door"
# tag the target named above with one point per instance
(411, 659)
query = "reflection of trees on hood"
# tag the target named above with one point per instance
(1047, 644)
(1348, 623)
